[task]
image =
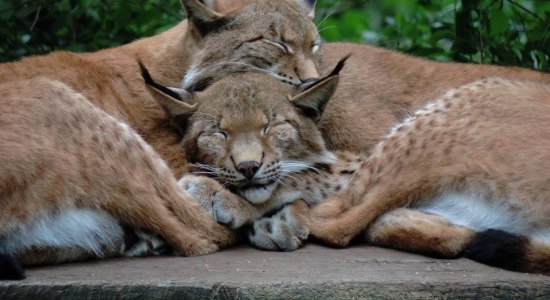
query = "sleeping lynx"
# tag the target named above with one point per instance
(447, 181)
(75, 168)
(253, 139)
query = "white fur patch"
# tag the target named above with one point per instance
(89, 230)
(478, 213)
(189, 77)
(260, 194)
(327, 158)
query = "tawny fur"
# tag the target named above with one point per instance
(111, 80)
(61, 153)
(226, 128)
(59, 164)
(379, 88)
(487, 140)
(239, 121)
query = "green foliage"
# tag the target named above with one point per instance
(507, 32)
(31, 27)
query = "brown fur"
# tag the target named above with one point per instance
(347, 127)
(379, 87)
(240, 122)
(111, 80)
(61, 153)
(106, 85)
(489, 137)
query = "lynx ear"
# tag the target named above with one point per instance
(175, 102)
(202, 15)
(315, 96)
(309, 6)
(312, 102)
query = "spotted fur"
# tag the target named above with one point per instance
(477, 158)
(106, 88)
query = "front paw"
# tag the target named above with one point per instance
(225, 207)
(284, 231)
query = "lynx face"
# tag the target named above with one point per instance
(245, 132)
(275, 37)
(251, 139)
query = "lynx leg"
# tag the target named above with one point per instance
(453, 144)
(174, 215)
(419, 232)
(92, 161)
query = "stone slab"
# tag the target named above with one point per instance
(313, 272)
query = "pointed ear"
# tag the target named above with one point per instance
(312, 101)
(201, 15)
(175, 102)
(309, 6)
(315, 95)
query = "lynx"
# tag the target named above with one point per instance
(242, 132)
(84, 142)
(69, 173)
(442, 166)
(472, 164)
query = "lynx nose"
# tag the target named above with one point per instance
(308, 72)
(248, 168)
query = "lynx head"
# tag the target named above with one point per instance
(246, 131)
(275, 37)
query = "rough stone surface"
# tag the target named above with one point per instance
(312, 272)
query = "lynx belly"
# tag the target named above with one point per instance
(89, 230)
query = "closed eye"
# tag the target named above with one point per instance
(220, 134)
(315, 47)
(284, 47)
(252, 40)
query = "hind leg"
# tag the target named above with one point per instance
(89, 160)
(415, 231)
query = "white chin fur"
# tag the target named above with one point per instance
(258, 195)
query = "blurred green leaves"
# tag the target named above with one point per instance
(29, 27)
(506, 32)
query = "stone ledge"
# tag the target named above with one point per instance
(311, 272)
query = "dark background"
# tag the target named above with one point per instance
(506, 32)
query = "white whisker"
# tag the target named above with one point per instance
(325, 28)
(328, 15)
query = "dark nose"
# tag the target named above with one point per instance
(248, 168)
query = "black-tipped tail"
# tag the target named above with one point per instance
(10, 269)
(509, 251)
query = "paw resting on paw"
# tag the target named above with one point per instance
(284, 231)
(224, 206)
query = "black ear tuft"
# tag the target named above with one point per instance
(149, 81)
(336, 71)
(339, 66)
(498, 248)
